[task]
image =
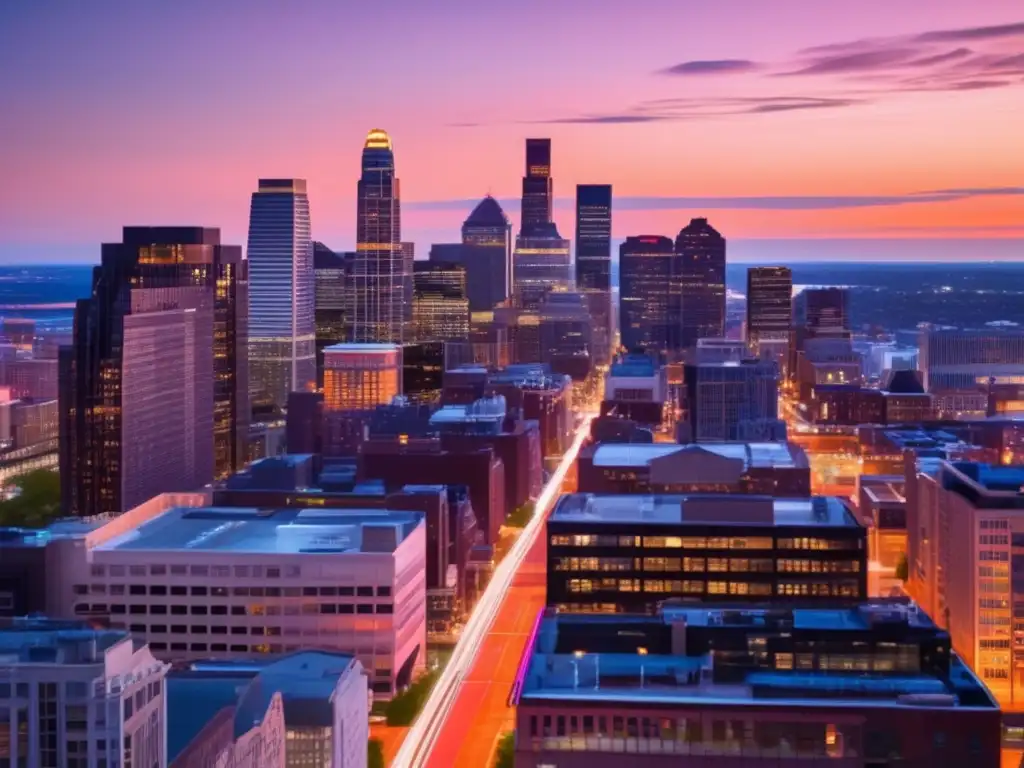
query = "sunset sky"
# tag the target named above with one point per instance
(781, 120)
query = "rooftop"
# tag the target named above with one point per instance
(269, 531)
(487, 213)
(677, 669)
(753, 455)
(48, 641)
(702, 509)
(306, 681)
(366, 349)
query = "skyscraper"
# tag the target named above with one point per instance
(769, 307)
(282, 331)
(649, 295)
(487, 244)
(440, 306)
(701, 251)
(542, 263)
(733, 402)
(594, 260)
(537, 187)
(333, 275)
(380, 281)
(154, 395)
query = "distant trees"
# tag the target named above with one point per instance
(375, 754)
(506, 754)
(902, 569)
(520, 516)
(403, 709)
(37, 503)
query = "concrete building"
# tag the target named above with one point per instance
(733, 401)
(308, 710)
(612, 553)
(440, 306)
(535, 393)
(78, 697)
(769, 308)
(965, 555)
(636, 388)
(773, 469)
(358, 377)
(744, 685)
(566, 334)
(958, 365)
(230, 582)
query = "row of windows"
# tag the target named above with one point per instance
(997, 525)
(162, 590)
(216, 571)
(309, 609)
(667, 564)
(696, 587)
(663, 542)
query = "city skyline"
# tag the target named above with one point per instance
(837, 127)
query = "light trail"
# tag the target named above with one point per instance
(420, 739)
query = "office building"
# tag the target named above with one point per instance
(486, 253)
(538, 194)
(228, 583)
(965, 531)
(567, 334)
(649, 296)
(79, 697)
(332, 275)
(379, 272)
(627, 554)
(534, 392)
(358, 377)
(824, 360)
(770, 469)
(423, 365)
(425, 461)
(308, 709)
(701, 252)
(541, 264)
(594, 261)
(30, 377)
(19, 332)
(304, 426)
(440, 307)
(732, 401)
(769, 310)
(282, 328)
(154, 393)
(882, 508)
(721, 351)
(870, 685)
(960, 365)
(822, 312)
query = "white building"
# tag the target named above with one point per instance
(75, 697)
(201, 582)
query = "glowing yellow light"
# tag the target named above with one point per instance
(378, 139)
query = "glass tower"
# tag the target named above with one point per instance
(649, 295)
(537, 187)
(701, 251)
(381, 283)
(282, 329)
(594, 260)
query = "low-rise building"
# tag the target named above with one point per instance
(79, 697)
(308, 709)
(626, 554)
(774, 469)
(866, 685)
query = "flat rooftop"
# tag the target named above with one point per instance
(48, 641)
(753, 455)
(999, 479)
(553, 673)
(268, 531)
(702, 509)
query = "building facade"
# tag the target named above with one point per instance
(487, 249)
(440, 306)
(358, 377)
(733, 401)
(649, 296)
(769, 307)
(627, 554)
(380, 276)
(154, 393)
(538, 194)
(701, 252)
(542, 263)
(282, 332)
(332, 275)
(594, 261)
(78, 697)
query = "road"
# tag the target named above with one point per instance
(467, 710)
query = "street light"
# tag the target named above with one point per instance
(577, 655)
(641, 651)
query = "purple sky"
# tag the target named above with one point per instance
(790, 120)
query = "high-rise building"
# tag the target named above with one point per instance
(79, 696)
(537, 187)
(379, 279)
(332, 274)
(542, 263)
(769, 306)
(701, 251)
(440, 306)
(594, 260)
(154, 393)
(822, 312)
(733, 402)
(282, 331)
(408, 259)
(566, 334)
(487, 242)
(649, 295)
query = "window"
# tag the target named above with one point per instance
(364, 591)
(383, 591)
(158, 589)
(385, 608)
(364, 608)
(199, 570)
(199, 591)
(158, 570)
